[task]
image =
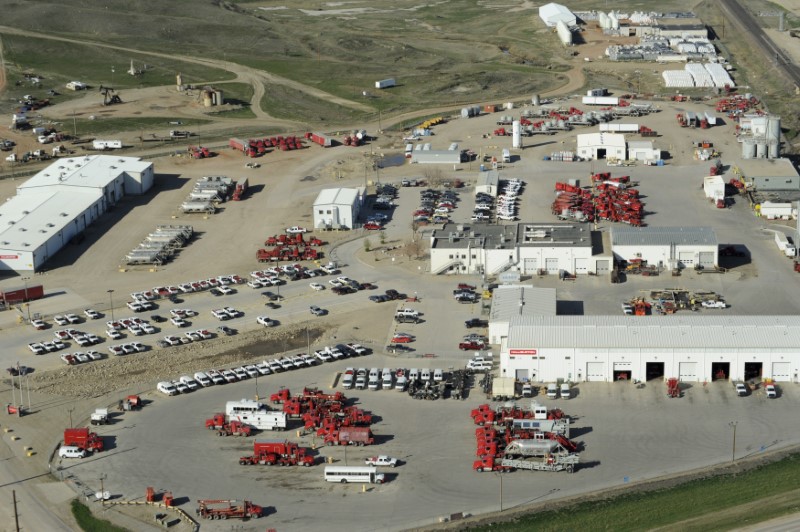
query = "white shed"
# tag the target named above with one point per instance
(338, 208)
(643, 150)
(601, 146)
(714, 187)
(487, 182)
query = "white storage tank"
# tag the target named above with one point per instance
(748, 149)
(761, 150)
(516, 134)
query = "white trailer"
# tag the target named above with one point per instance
(255, 414)
(600, 100)
(198, 206)
(557, 426)
(99, 416)
(776, 211)
(620, 128)
(784, 245)
(552, 463)
(385, 83)
(106, 144)
(506, 156)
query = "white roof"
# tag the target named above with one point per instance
(601, 139)
(488, 178)
(94, 171)
(28, 221)
(511, 301)
(337, 196)
(640, 145)
(655, 332)
(551, 13)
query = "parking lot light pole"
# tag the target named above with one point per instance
(25, 297)
(500, 474)
(111, 303)
(733, 424)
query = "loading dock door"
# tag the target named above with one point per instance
(781, 371)
(581, 265)
(596, 371)
(706, 259)
(687, 371)
(753, 370)
(686, 259)
(654, 370)
(529, 266)
(522, 375)
(551, 265)
(603, 267)
(623, 371)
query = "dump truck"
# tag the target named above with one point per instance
(225, 509)
(350, 436)
(219, 423)
(82, 438)
(99, 416)
(283, 453)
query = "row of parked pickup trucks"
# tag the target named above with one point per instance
(387, 378)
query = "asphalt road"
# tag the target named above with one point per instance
(742, 17)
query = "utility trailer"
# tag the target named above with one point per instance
(550, 463)
(225, 509)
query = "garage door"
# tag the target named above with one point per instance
(530, 266)
(551, 265)
(686, 258)
(596, 371)
(622, 366)
(781, 371)
(603, 266)
(706, 259)
(688, 371)
(581, 265)
(522, 375)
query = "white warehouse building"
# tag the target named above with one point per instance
(694, 349)
(601, 146)
(338, 208)
(552, 13)
(527, 247)
(667, 247)
(511, 301)
(60, 202)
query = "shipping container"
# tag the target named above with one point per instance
(385, 83)
(21, 295)
(600, 100)
(106, 144)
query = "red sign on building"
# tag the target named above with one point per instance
(522, 352)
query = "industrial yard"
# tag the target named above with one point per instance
(578, 285)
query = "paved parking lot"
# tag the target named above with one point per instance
(628, 434)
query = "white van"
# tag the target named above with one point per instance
(506, 156)
(552, 391)
(566, 393)
(70, 451)
(167, 388)
(413, 375)
(438, 375)
(387, 378)
(426, 375)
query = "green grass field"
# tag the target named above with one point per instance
(89, 523)
(110, 126)
(727, 501)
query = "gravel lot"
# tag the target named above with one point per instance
(624, 441)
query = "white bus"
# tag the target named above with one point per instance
(345, 474)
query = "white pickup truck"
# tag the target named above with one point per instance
(381, 460)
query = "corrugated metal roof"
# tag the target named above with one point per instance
(94, 171)
(616, 140)
(662, 236)
(654, 332)
(488, 178)
(337, 196)
(513, 301)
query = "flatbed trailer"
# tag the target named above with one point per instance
(552, 463)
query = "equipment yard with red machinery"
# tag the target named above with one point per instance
(618, 434)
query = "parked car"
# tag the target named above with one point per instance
(316, 311)
(476, 322)
(295, 230)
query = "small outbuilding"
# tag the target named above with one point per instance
(714, 187)
(666, 247)
(643, 150)
(487, 182)
(338, 208)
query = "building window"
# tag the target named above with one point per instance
(451, 256)
(320, 211)
(474, 256)
(328, 212)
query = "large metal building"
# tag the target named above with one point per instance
(60, 202)
(511, 301)
(602, 146)
(667, 247)
(694, 348)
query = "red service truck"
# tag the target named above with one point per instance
(283, 453)
(350, 436)
(88, 441)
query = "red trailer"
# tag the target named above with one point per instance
(283, 453)
(88, 441)
(21, 295)
(240, 190)
(321, 139)
(219, 509)
(239, 145)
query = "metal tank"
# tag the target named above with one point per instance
(748, 149)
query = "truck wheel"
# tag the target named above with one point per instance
(344, 481)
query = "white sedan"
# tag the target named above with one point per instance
(316, 286)
(266, 321)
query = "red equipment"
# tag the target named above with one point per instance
(229, 509)
(673, 387)
(88, 441)
(223, 428)
(284, 453)
(239, 191)
(350, 436)
(132, 402)
(21, 295)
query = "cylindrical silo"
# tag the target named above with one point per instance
(774, 148)
(748, 149)
(773, 128)
(602, 19)
(613, 21)
(535, 99)
(761, 149)
(516, 134)
(509, 105)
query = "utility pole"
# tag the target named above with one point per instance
(70, 415)
(733, 424)
(16, 513)
(102, 490)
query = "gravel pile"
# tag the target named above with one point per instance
(143, 371)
